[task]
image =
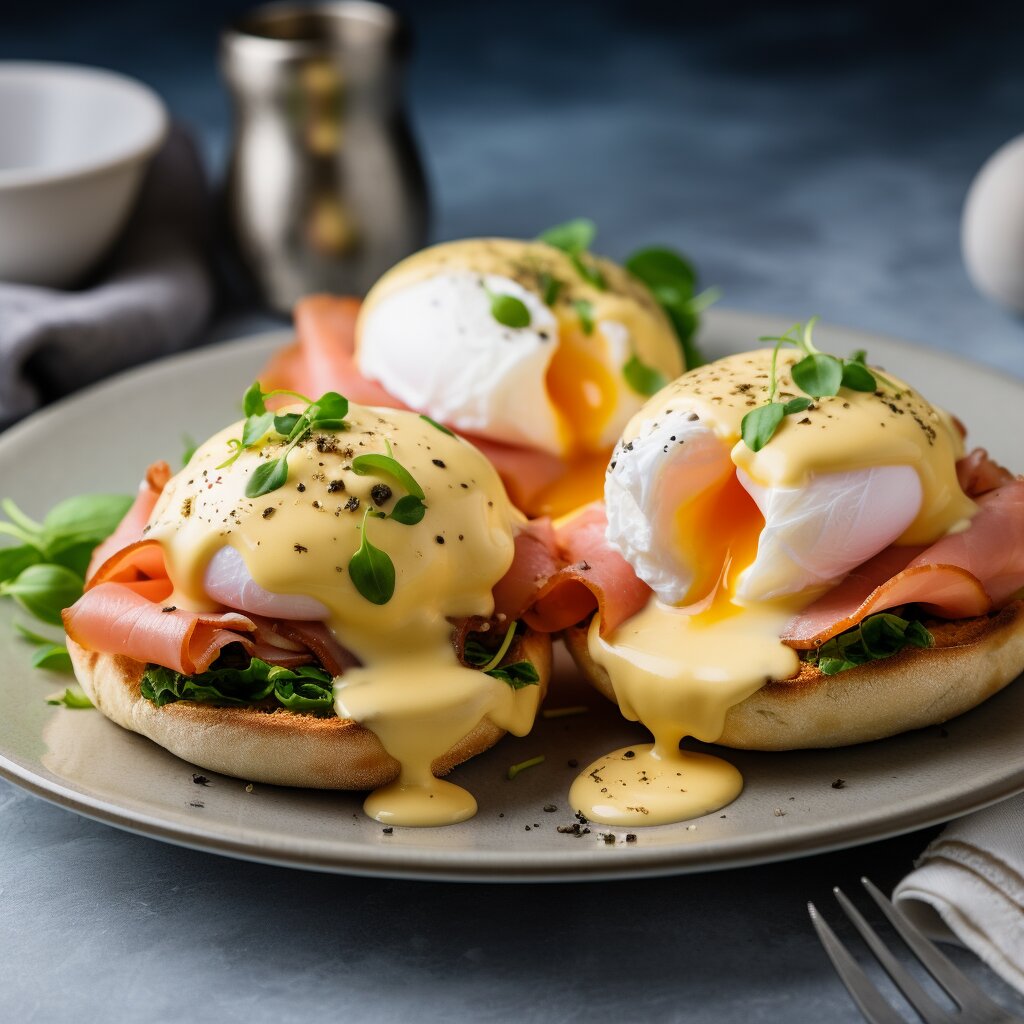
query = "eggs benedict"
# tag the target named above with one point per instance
(311, 602)
(537, 350)
(794, 550)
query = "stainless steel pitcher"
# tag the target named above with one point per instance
(325, 190)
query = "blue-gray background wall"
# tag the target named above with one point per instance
(811, 157)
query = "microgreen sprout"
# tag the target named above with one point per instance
(515, 769)
(817, 374)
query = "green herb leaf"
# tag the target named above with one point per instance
(438, 426)
(663, 268)
(257, 427)
(54, 658)
(372, 571)
(877, 637)
(267, 477)
(286, 423)
(16, 559)
(515, 769)
(590, 272)
(374, 464)
(550, 288)
(254, 400)
(298, 695)
(31, 636)
(857, 377)
(408, 510)
(574, 236)
(510, 311)
(795, 405)
(758, 426)
(585, 311)
(517, 675)
(25, 528)
(643, 379)
(818, 375)
(329, 406)
(88, 518)
(72, 699)
(44, 590)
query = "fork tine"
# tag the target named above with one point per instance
(858, 984)
(966, 994)
(905, 981)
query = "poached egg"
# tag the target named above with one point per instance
(556, 385)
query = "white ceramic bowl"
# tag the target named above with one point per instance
(74, 142)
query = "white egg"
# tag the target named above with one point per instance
(228, 581)
(436, 345)
(992, 227)
(812, 535)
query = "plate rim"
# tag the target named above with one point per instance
(490, 866)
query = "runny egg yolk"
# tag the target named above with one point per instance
(717, 531)
(585, 396)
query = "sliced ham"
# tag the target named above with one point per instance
(978, 474)
(536, 560)
(114, 618)
(962, 575)
(596, 577)
(130, 528)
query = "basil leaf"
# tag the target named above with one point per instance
(474, 653)
(758, 426)
(859, 356)
(408, 510)
(71, 699)
(31, 636)
(55, 658)
(574, 236)
(510, 311)
(285, 423)
(297, 695)
(83, 519)
(818, 375)
(517, 675)
(17, 559)
(44, 590)
(437, 426)
(550, 287)
(643, 379)
(796, 405)
(875, 638)
(257, 427)
(267, 477)
(329, 406)
(372, 572)
(253, 401)
(368, 465)
(857, 377)
(590, 273)
(585, 311)
(660, 267)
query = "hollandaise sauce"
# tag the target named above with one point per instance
(409, 687)
(679, 669)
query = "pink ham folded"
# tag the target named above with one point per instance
(596, 576)
(962, 575)
(116, 619)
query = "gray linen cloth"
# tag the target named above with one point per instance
(152, 295)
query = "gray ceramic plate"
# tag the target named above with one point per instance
(793, 803)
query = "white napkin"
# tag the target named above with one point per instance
(969, 885)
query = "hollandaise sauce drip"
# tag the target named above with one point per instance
(409, 689)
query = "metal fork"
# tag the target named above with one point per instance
(974, 1007)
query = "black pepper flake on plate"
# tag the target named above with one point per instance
(387, 830)
(200, 780)
(380, 493)
(630, 837)
(839, 784)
